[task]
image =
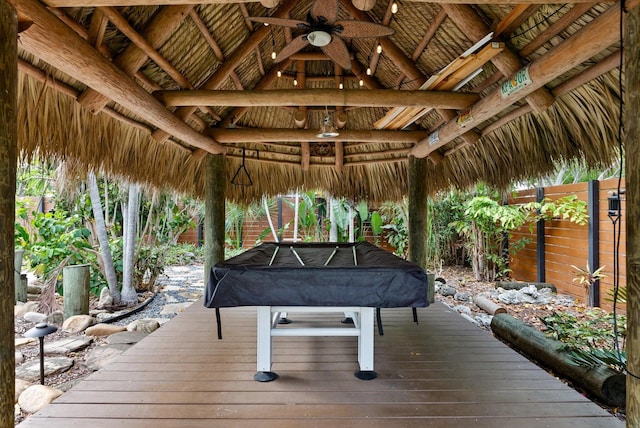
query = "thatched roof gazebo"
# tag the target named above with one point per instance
(146, 91)
(360, 98)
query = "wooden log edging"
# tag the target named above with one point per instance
(483, 302)
(601, 382)
(509, 285)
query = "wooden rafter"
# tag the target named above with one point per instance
(468, 21)
(223, 72)
(83, 61)
(515, 18)
(590, 40)
(133, 58)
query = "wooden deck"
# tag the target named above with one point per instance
(444, 372)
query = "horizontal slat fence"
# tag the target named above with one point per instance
(566, 244)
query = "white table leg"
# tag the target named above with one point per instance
(264, 338)
(365, 340)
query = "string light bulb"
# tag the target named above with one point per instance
(379, 48)
(295, 82)
(394, 7)
(361, 83)
(341, 86)
(279, 73)
(368, 71)
(273, 55)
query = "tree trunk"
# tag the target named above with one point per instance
(8, 156)
(129, 294)
(103, 238)
(632, 150)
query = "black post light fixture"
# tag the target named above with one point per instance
(41, 330)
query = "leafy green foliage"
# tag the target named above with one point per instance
(586, 336)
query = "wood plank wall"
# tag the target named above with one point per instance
(567, 244)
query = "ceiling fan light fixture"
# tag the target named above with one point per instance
(327, 130)
(319, 38)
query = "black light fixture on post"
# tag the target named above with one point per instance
(40, 331)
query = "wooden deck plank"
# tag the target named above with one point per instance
(443, 372)
(453, 422)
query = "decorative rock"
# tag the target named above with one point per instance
(103, 355)
(126, 338)
(526, 295)
(36, 397)
(105, 298)
(483, 320)
(56, 317)
(170, 299)
(68, 344)
(104, 330)
(22, 341)
(462, 309)
(468, 318)
(78, 323)
(21, 385)
(174, 308)
(189, 255)
(31, 371)
(447, 291)
(94, 312)
(441, 280)
(35, 317)
(17, 412)
(145, 325)
(462, 296)
(19, 358)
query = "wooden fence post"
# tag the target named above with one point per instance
(593, 208)
(418, 213)
(8, 159)
(540, 259)
(632, 164)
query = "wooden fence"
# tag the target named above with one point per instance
(556, 245)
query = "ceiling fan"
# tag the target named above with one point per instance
(323, 29)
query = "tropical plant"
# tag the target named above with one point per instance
(587, 278)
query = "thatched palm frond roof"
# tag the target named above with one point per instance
(165, 50)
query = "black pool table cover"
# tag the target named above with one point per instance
(379, 279)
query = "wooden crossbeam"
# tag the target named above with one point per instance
(319, 97)
(258, 135)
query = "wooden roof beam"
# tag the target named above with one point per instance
(227, 67)
(81, 60)
(161, 27)
(320, 97)
(554, 29)
(266, 135)
(92, 3)
(584, 44)
(593, 72)
(515, 18)
(468, 21)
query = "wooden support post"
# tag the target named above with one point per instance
(8, 159)
(75, 286)
(418, 211)
(540, 256)
(632, 152)
(216, 181)
(593, 207)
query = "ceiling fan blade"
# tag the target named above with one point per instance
(293, 47)
(328, 9)
(352, 29)
(338, 52)
(283, 22)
